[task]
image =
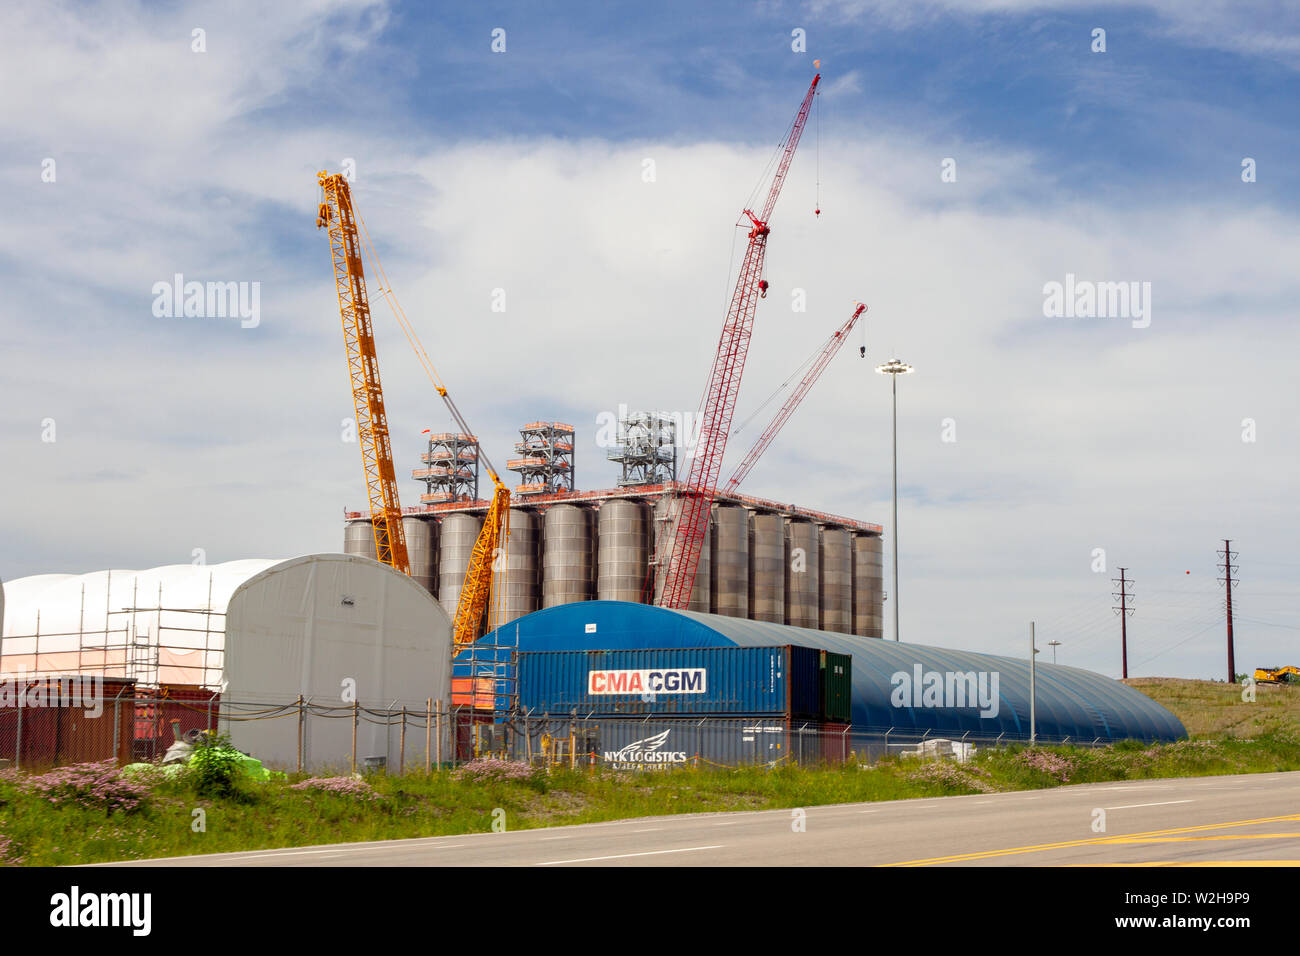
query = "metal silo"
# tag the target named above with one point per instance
(767, 568)
(359, 537)
(730, 560)
(420, 536)
(666, 512)
(568, 558)
(868, 586)
(836, 581)
(802, 577)
(456, 537)
(623, 549)
(520, 579)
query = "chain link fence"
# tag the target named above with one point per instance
(307, 735)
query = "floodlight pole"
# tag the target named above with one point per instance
(893, 369)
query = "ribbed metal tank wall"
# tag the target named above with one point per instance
(730, 561)
(623, 527)
(802, 574)
(767, 568)
(421, 535)
(521, 578)
(456, 537)
(666, 511)
(836, 581)
(568, 555)
(868, 586)
(359, 538)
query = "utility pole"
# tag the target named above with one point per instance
(1123, 595)
(1227, 579)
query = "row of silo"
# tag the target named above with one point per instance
(755, 565)
(421, 546)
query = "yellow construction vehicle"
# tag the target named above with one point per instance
(337, 214)
(1277, 675)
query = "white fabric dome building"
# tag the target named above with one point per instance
(330, 627)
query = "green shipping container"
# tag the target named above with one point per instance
(837, 687)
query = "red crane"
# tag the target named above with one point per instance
(719, 403)
(840, 336)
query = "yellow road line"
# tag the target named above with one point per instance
(1193, 839)
(1186, 863)
(1096, 841)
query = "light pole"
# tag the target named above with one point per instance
(1053, 645)
(893, 369)
(1033, 686)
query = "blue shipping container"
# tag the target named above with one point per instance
(688, 681)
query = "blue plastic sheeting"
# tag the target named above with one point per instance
(1071, 702)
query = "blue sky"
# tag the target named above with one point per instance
(522, 171)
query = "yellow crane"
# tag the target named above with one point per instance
(339, 217)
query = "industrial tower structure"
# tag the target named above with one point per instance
(451, 468)
(547, 463)
(646, 450)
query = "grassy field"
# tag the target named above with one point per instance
(1213, 710)
(99, 815)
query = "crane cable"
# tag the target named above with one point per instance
(780, 388)
(414, 340)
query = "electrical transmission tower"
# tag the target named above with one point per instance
(1227, 567)
(1124, 609)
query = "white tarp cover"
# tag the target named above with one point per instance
(62, 623)
(332, 628)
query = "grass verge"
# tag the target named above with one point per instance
(96, 815)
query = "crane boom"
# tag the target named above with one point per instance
(337, 215)
(828, 351)
(719, 403)
(476, 596)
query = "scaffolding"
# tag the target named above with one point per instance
(647, 449)
(451, 468)
(148, 644)
(546, 465)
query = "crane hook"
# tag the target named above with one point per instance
(762, 288)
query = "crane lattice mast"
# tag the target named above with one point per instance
(828, 351)
(719, 403)
(336, 214)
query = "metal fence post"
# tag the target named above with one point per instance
(300, 716)
(18, 744)
(117, 724)
(401, 747)
(428, 735)
(437, 719)
(356, 716)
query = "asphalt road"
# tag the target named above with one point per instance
(1245, 820)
